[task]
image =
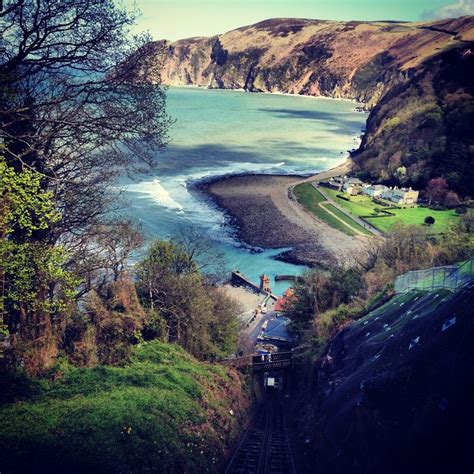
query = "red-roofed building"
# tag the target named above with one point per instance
(281, 303)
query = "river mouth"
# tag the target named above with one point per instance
(223, 133)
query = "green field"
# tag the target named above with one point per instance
(310, 198)
(364, 206)
(416, 216)
(358, 205)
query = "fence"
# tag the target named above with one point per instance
(448, 277)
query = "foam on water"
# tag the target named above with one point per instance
(154, 190)
(219, 133)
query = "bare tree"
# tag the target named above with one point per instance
(73, 110)
(68, 108)
(201, 250)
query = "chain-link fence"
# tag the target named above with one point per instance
(448, 277)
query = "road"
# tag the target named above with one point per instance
(248, 336)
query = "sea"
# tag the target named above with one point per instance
(222, 132)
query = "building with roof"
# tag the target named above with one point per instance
(374, 190)
(282, 302)
(401, 195)
(352, 186)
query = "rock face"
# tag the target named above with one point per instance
(402, 72)
(312, 57)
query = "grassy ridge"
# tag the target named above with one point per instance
(162, 412)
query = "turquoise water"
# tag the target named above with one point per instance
(228, 132)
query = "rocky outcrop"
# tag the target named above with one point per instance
(422, 115)
(312, 57)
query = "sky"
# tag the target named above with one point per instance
(176, 19)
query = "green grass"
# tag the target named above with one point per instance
(364, 206)
(416, 216)
(359, 205)
(162, 412)
(310, 198)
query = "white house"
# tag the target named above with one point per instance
(374, 190)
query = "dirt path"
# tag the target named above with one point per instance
(323, 205)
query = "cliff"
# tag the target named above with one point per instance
(410, 75)
(312, 57)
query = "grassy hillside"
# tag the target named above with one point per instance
(161, 412)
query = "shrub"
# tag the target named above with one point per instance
(429, 220)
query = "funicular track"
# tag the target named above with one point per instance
(264, 448)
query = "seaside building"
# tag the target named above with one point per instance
(401, 195)
(331, 184)
(374, 190)
(288, 297)
(352, 186)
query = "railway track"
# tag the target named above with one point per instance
(264, 448)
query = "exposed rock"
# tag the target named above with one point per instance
(415, 77)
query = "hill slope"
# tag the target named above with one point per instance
(394, 388)
(379, 63)
(162, 412)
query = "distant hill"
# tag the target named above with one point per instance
(415, 77)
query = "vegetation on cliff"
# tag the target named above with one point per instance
(415, 78)
(326, 302)
(423, 127)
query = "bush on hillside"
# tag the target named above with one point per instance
(183, 307)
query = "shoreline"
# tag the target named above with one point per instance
(289, 94)
(263, 214)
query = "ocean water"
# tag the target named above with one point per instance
(229, 132)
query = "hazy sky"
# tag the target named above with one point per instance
(174, 19)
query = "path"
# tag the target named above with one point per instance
(323, 205)
(357, 219)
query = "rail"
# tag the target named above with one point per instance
(264, 448)
(448, 277)
(275, 361)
